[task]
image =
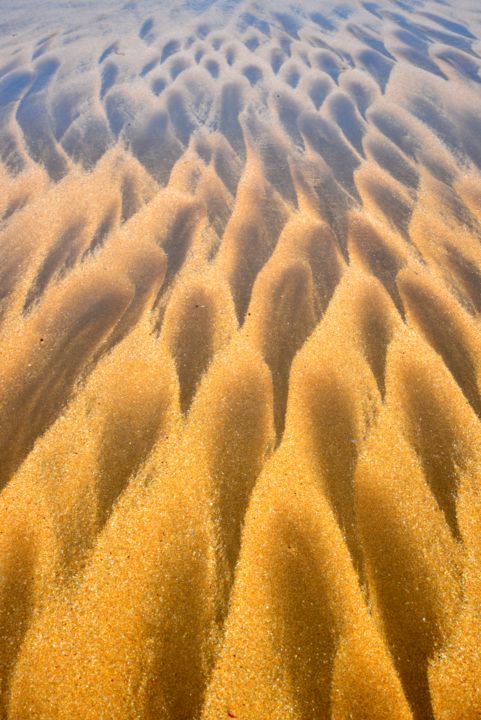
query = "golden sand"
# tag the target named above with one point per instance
(240, 401)
(245, 484)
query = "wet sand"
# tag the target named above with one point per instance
(240, 370)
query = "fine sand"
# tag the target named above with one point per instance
(240, 360)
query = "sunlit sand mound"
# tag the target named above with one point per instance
(240, 373)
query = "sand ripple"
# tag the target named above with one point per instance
(240, 296)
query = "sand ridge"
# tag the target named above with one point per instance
(240, 286)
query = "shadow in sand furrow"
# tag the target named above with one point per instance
(178, 66)
(310, 625)
(145, 32)
(252, 42)
(447, 328)
(34, 120)
(121, 111)
(144, 266)
(41, 49)
(14, 258)
(158, 86)
(289, 23)
(462, 63)
(251, 249)
(428, 32)
(213, 68)
(104, 228)
(218, 203)
(59, 260)
(64, 339)
(328, 413)
(274, 159)
(12, 153)
(247, 20)
(9, 67)
(456, 42)
(13, 207)
(451, 25)
(113, 48)
(276, 60)
(376, 328)
(155, 146)
(391, 124)
(373, 8)
(344, 113)
(470, 125)
(87, 142)
(420, 59)
(177, 648)
(328, 63)
(198, 321)
(234, 405)
(289, 109)
(127, 437)
(367, 38)
(380, 257)
(17, 591)
(415, 41)
(231, 105)
(320, 249)
(291, 74)
(467, 274)
(66, 108)
(203, 29)
(281, 315)
(188, 42)
(323, 22)
(413, 598)
(177, 239)
(217, 42)
(362, 90)
(331, 202)
(199, 54)
(253, 73)
(285, 44)
(318, 90)
(389, 197)
(419, 599)
(250, 238)
(434, 438)
(132, 199)
(377, 65)
(389, 158)
(170, 48)
(230, 54)
(110, 73)
(325, 139)
(14, 86)
(228, 167)
(330, 417)
(190, 328)
(180, 117)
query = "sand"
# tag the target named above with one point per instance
(240, 360)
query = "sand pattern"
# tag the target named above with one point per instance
(240, 387)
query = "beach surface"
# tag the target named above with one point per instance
(240, 360)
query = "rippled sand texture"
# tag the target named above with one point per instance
(240, 439)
